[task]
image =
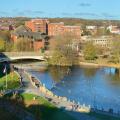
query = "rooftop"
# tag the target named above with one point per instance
(23, 31)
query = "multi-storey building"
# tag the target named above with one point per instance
(59, 28)
(103, 41)
(38, 25)
(55, 28)
(38, 40)
(52, 29)
(76, 30)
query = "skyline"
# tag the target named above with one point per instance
(87, 9)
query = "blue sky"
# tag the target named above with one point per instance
(90, 9)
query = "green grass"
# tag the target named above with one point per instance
(45, 110)
(12, 81)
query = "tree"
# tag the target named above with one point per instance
(9, 46)
(62, 49)
(23, 44)
(89, 51)
(2, 45)
(5, 35)
(115, 50)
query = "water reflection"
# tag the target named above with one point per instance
(113, 75)
(90, 72)
(58, 73)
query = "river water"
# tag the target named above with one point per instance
(98, 87)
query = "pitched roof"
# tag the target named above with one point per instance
(23, 31)
(22, 28)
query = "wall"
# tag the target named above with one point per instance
(38, 45)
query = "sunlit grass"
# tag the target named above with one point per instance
(12, 81)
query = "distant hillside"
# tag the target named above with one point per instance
(67, 21)
(77, 21)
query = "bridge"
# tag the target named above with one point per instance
(11, 56)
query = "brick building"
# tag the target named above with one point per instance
(38, 25)
(59, 28)
(38, 39)
(51, 29)
(76, 30)
(55, 28)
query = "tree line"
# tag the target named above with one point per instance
(64, 52)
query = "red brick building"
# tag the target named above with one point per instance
(51, 29)
(38, 25)
(55, 28)
(59, 28)
(76, 30)
(38, 40)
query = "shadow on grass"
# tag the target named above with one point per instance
(41, 109)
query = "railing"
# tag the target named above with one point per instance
(14, 54)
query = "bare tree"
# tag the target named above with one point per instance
(63, 49)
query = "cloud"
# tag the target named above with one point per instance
(28, 13)
(86, 14)
(33, 12)
(84, 4)
(66, 14)
(4, 13)
(38, 12)
(107, 15)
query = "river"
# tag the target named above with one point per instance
(98, 87)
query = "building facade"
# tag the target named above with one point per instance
(114, 29)
(55, 28)
(52, 29)
(59, 28)
(103, 41)
(38, 40)
(38, 25)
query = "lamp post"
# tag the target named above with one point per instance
(5, 72)
(6, 79)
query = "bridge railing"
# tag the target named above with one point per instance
(17, 54)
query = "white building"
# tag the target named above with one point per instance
(114, 29)
(103, 41)
(91, 27)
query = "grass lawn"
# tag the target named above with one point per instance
(12, 81)
(12, 77)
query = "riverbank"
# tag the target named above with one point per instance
(100, 64)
